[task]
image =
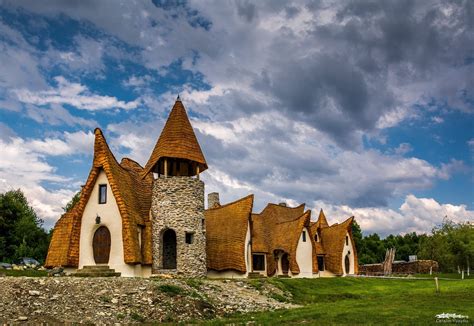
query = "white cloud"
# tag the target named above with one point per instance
(414, 215)
(23, 165)
(73, 94)
(78, 142)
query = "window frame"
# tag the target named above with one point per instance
(304, 236)
(102, 186)
(189, 237)
(263, 260)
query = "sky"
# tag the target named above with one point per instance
(361, 108)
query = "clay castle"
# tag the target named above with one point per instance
(142, 221)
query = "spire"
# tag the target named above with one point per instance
(177, 141)
(322, 221)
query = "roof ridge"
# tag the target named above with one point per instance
(283, 207)
(234, 202)
(296, 218)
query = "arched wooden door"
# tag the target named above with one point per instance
(169, 249)
(285, 264)
(101, 245)
(347, 264)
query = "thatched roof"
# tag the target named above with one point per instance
(278, 228)
(177, 140)
(133, 196)
(226, 229)
(333, 240)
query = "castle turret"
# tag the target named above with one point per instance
(177, 209)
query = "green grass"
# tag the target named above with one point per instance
(447, 275)
(350, 301)
(170, 289)
(26, 272)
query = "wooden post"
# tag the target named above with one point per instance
(437, 284)
(431, 270)
(197, 171)
(462, 274)
(166, 168)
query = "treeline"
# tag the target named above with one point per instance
(450, 244)
(21, 230)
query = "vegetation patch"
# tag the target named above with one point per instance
(194, 282)
(137, 317)
(170, 289)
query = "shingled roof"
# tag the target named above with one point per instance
(279, 227)
(133, 196)
(333, 239)
(177, 140)
(226, 230)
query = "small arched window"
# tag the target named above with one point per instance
(316, 237)
(347, 240)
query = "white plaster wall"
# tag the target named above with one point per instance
(235, 274)
(346, 249)
(225, 274)
(304, 256)
(324, 273)
(110, 217)
(248, 250)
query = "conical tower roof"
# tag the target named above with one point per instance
(322, 221)
(177, 140)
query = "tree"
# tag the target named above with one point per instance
(21, 232)
(72, 202)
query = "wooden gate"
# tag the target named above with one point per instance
(101, 245)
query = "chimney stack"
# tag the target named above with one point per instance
(213, 200)
(282, 204)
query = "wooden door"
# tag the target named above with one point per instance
(101, 245)
(347, 264)
(169, 249)
(285, 264)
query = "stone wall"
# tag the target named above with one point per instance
(213, 200)
(412, 267)
(178, 204)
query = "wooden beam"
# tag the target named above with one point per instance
(166, 168)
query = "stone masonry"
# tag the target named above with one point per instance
(213, 200)
(178, 204)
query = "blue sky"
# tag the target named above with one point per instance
(363, 108)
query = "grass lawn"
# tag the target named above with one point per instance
(352, 301)
(447, 275)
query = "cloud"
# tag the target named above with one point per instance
(73, 94)
(78, 142)
(414, 215)
(24, 165)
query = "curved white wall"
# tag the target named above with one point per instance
(346, 249)
(304, 256)
(110, 217)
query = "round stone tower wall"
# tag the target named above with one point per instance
(178, 204)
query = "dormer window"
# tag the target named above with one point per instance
(304, 236)
(347, 240)
(102, 194)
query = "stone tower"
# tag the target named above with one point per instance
(177, 208)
